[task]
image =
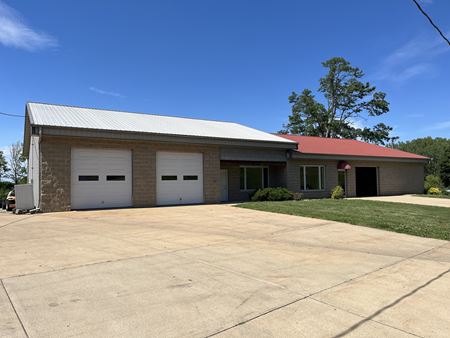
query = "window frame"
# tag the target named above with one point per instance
(322, 185)
(262, 176)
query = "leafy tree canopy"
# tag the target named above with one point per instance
(438, 149)
(346, 99)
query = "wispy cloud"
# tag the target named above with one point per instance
(414, 58)
(14, 32)
(105, 92)
(444, 125)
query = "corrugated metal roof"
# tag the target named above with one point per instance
(42, 114)
(333, 146)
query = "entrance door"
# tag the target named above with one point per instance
(224, 185)
(366, 181)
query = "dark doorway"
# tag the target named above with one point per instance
(366, 181)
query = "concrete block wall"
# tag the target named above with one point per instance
(394, 178)
(56, 168)
(293, 177)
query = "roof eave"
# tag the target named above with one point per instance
(299, 155)
(129, 135)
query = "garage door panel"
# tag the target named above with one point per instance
(188, 186)
(115, 191)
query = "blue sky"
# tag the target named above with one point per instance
(227, 60)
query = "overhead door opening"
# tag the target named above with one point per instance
(366, 181)
(101, 178)
(179, 178)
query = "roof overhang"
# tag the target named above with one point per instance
(137, 136)
(298, 155)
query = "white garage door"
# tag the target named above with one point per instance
(179, 178)
(101, 178)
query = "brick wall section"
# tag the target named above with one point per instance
(56, 169)
(395, 178)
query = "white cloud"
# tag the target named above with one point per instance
(412, 59)
(105, 92)
(15, 33)
(444, 125)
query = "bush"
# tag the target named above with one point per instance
(337, 193)
(272, 194)
(432, 181)
(434, 191)
(5, 188)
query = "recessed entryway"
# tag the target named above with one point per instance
(179, 178)
(366, 181)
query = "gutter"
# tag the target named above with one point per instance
(298, 155)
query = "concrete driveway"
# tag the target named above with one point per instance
(412, 199)
(216, 270)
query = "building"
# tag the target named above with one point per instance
(83, 158)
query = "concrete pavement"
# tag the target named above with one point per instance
(216, 270)
(412, 199)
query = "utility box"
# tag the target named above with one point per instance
(24, 196)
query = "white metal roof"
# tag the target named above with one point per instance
(42, 114)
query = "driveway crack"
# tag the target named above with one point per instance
(14, 309)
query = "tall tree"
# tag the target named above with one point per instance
(3, 165)
(437, 149)
(17, 169)
(346, 100)
(445, 168)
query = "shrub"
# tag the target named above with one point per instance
(337, 193)
(272, 194)
(432, 181)
(434, 191)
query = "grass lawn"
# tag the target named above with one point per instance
(418, 220)
(434, 196)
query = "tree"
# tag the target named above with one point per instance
(347, 100)
(445, 168)
(437, 149)
(3, 165)
(17, 169)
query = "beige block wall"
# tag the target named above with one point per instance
(56, 169)
(394, 178)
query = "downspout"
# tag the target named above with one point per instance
(40, 168)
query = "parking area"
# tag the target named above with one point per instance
(216, 270)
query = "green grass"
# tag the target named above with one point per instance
(418, 220)
(434, 196)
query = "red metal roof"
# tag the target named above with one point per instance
(333, 146)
